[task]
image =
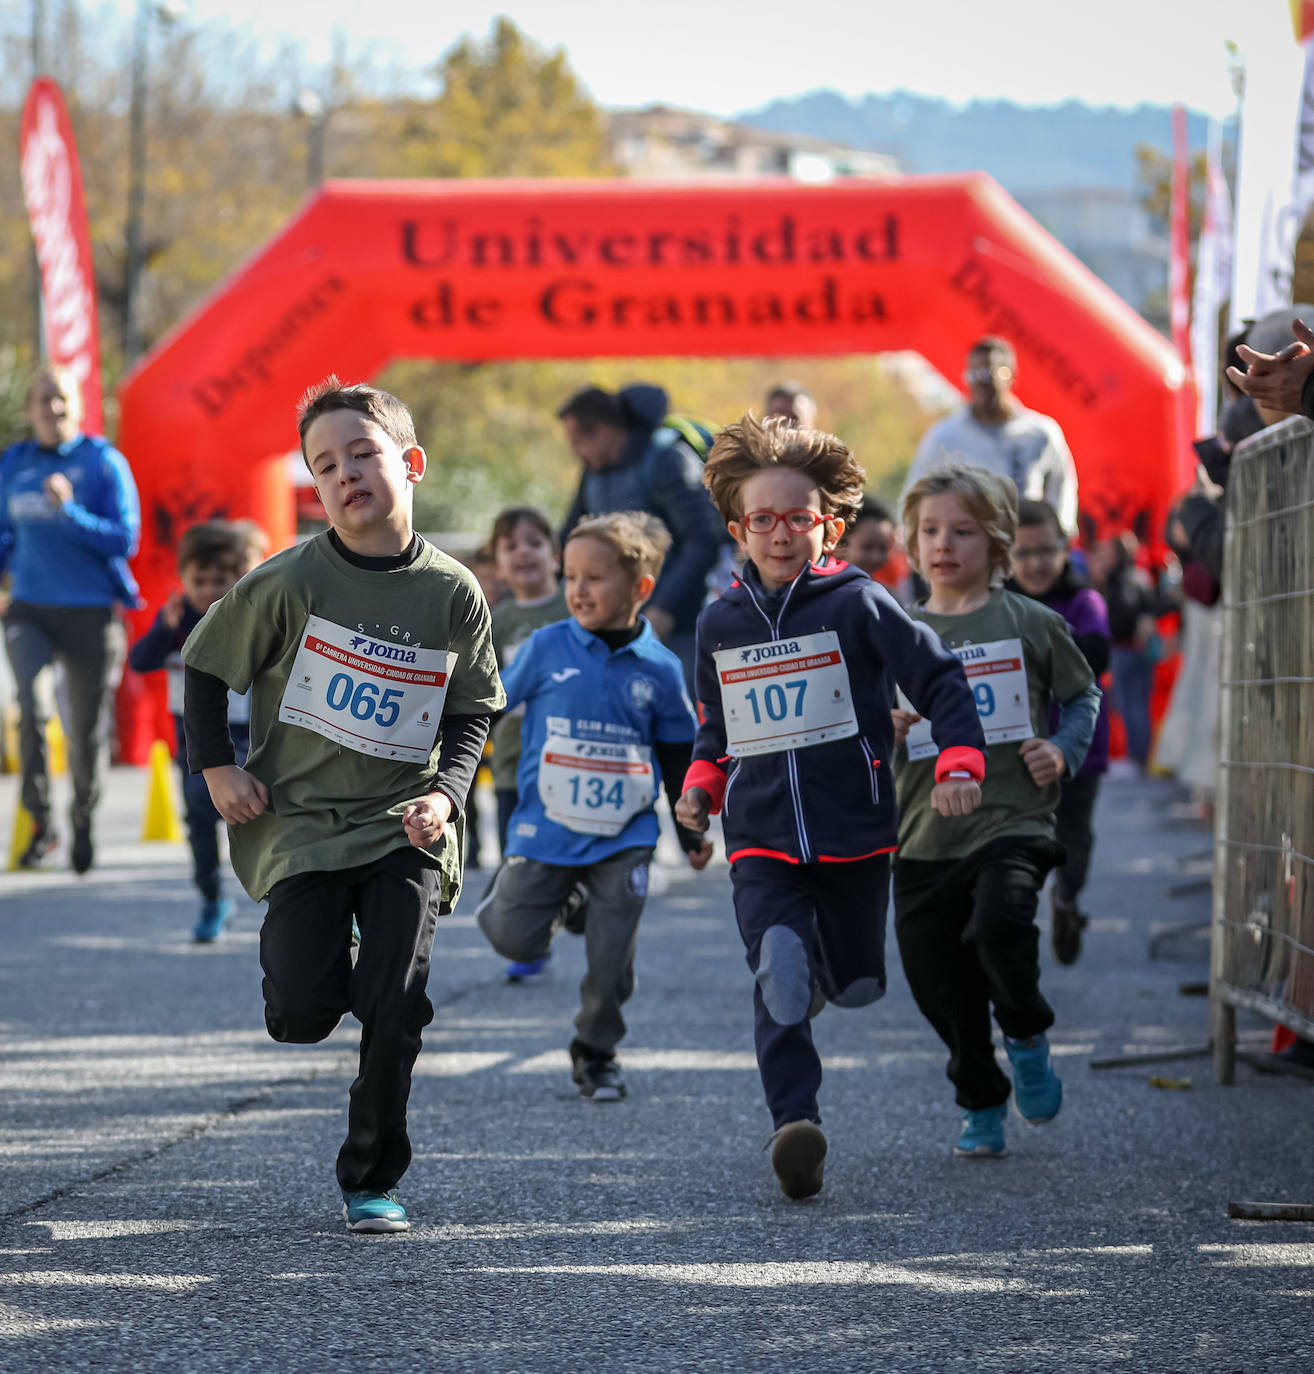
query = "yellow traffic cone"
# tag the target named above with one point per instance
(23, 829)
(57, 747)
(161, 819)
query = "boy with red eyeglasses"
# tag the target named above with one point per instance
(796, 670)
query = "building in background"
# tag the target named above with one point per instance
(661, 142)
(1110, 230)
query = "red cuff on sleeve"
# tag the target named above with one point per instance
(960, 757)
(705, 774)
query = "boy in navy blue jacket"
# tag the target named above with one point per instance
(797, 666)
(210, 557)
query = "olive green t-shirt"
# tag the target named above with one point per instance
(1011, 803)
(330, 806)
(513, 623)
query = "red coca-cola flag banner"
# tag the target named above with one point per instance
(52, 188)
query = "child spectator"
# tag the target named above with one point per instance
(796, 670)
(871, 543)
(1134, 606)
(370, 662)
(209, 556)
(965, 899)
(1042, 570)
(255, 545)
(483, 564)
(606, 719)
(525, 549)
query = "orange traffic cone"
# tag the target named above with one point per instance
(161, 819)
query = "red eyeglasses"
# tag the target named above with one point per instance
(795, 521)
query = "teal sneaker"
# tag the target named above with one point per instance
(982, 1135)
(370, 1210)
(1036, 1087)
(214, 916)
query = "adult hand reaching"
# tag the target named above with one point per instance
(1276, 380)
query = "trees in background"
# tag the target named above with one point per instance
(227, 165)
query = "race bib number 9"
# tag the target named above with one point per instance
(594, 788)
(785, 694)
(372, 695)
(997, 674)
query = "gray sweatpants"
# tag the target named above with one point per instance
(89, 645)
(521, 905)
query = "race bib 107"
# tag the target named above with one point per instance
(785, 694)
(372, 695)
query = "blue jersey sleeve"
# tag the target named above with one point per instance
(110, 521)
(676, 722)
(520, 677)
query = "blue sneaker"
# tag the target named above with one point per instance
(528, 971)
(214, 916)
(982, 1136)
(371, 1210)
(1036, 1088)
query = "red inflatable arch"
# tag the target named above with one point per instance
(369, 272)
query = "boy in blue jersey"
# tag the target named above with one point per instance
(797, 665)
(607, 719)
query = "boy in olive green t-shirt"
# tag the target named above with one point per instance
(369, 658)
(965, 899)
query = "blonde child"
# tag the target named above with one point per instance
(965, 899)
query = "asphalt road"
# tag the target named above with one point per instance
(167, 1199)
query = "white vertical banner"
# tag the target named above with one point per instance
(1213, 281)
(1268, 217)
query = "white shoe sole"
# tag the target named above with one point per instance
(374, 1225)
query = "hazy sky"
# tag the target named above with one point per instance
(727, 57)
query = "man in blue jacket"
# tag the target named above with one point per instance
(634, 462)
(69, 522)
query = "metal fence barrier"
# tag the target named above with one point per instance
(1262, 951)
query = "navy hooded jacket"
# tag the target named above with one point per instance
(833, 801)
(668, 483)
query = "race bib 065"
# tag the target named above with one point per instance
(372, 695)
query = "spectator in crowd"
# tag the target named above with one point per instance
(1280, 382)
(69, 522)
(994, 431)
(1134, 607)
(1265, 342)
(632, 461)
(794, 402)
(1187, 745)
(872, 543)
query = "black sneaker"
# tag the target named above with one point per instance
(599, 1080)
(40, 848)
(572, 914)
(1065, 926)
(82, 853)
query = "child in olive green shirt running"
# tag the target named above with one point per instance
(370, 662)
(965, 898)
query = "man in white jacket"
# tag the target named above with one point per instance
(995, 432)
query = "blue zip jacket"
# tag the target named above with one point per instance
(75, 554)
(662, 475)
(828, 802)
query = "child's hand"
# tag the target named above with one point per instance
(238, 796)
(700, 857)
(1044, 761)
(171, 611)
(903, 722)
(425, 821)
(956, 797)
(693, 809)
(59, 490)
